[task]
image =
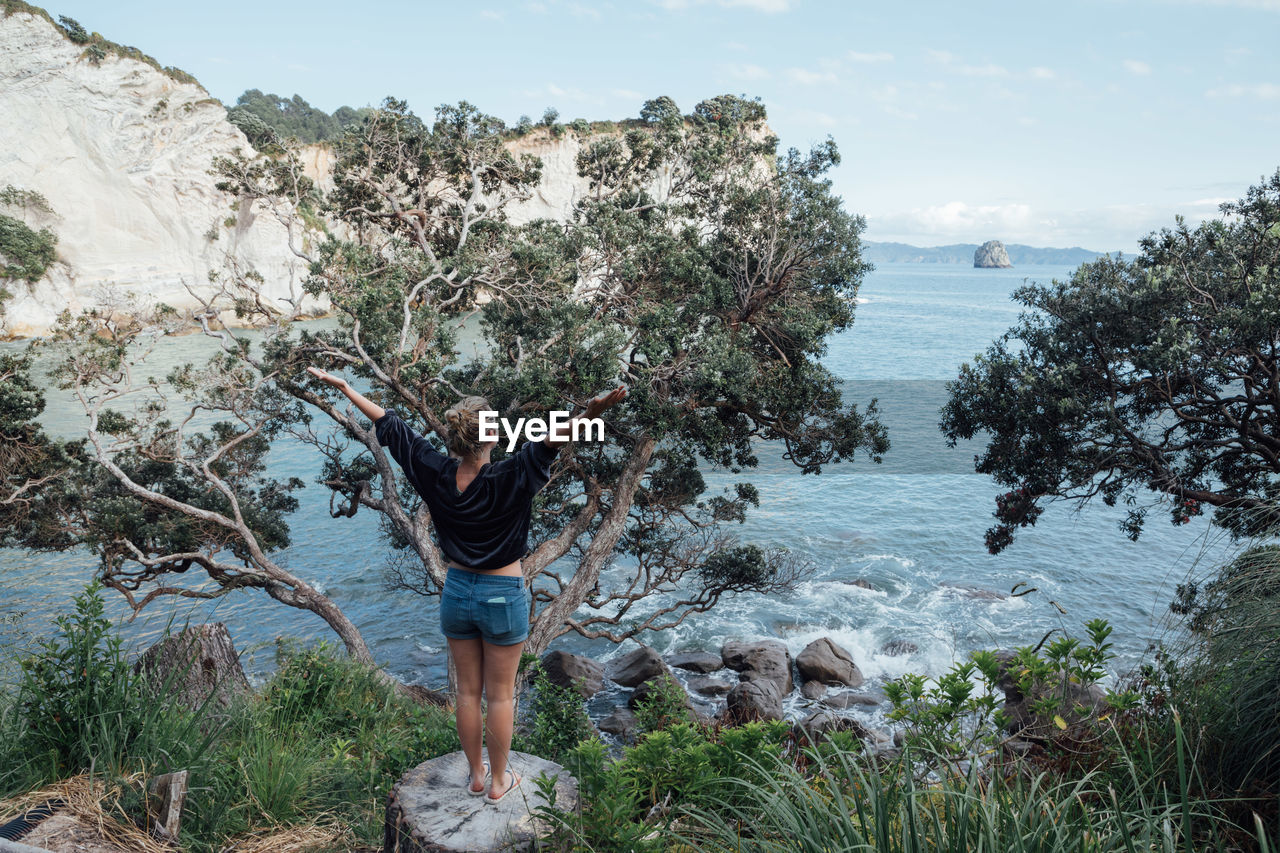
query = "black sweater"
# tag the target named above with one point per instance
(487, 526)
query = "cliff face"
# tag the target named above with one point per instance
(122, 152)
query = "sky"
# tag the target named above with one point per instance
(1082, 123)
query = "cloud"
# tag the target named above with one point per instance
(569, 94)
(955, 66)
(958, 218)
(1137, 66)
(767, 6)
(491, 15)
(879, 56)
(1105, 228)
(582, 11)
(1260, 5)
(746, 71)
(1042, 73)
(1261, 91)
(629, 94)
(805, 77)
(537, 8)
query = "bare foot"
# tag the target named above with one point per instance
(494, 797)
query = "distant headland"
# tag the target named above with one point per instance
(963, 253)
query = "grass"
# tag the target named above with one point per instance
(306, 763)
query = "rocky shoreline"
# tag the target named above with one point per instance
(745, 681)
(760, 680)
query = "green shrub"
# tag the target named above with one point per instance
(622, 802)
(24, 253)
(79, 704)
(556, 718)
(666, 705)
(74, 31)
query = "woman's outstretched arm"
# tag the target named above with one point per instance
(595, 407)
(371, 410)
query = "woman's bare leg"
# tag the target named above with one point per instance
(469, 660)
(500, 665)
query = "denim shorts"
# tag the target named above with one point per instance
(494, 608)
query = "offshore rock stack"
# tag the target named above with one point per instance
(991, 255)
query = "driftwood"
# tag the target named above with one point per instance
(166, 795)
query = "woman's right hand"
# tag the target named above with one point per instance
(336, 381)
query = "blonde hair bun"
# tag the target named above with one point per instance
(464, 425)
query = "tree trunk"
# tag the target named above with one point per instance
(549, 624)
(198, 664)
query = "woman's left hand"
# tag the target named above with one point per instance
(597, 406)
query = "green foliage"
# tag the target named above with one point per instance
(837, 802)
(622, 802)
(25, 200)
(79, 704)
(960, 714)
(666, 705)
(945, 717)
(267, 119)
(1151, 375)
(38, 474)
(24, 253)
(557, 718)
(1223, 679)
(326, 736)
(74, 31)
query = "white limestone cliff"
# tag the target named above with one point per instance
(122, 152)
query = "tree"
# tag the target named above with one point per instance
(1152, 375)
(702, 269)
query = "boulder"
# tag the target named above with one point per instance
(821, 723)
(647, 688)
(824, 661)
(1077, 703)
(767, 660)
(753, 700)
(969, 590)
(861, 583)
(636, 667)
(622, 722)
(429, 809)
(813, 690)
(991, 255)
(894, 648)
(701, 662)
(848, 698)
(574, 671)
(707, 686)
(198, 663)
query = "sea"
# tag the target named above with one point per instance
(911, 528)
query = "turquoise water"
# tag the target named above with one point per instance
(912, 526)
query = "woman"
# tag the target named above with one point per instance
(480, 511)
